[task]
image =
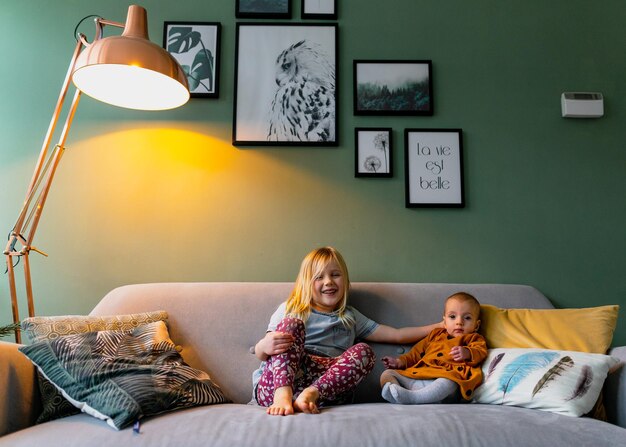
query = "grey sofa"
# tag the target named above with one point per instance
(217, 324)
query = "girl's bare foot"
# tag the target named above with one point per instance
(307, 401)
(282, 405)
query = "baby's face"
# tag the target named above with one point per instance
(460, 317)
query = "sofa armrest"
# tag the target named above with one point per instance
(21, 402)
(615, 390)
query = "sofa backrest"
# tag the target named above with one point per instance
(218, 324)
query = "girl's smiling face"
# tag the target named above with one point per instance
(328, 287)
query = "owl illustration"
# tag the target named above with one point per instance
(303, 108)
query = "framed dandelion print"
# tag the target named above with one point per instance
(433, 167)
(285, 85)
(319, 9)
(397, 87)
(196, 46)
(263, 9)
(372, 152)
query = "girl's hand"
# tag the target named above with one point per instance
(277, 343)
(393, 363)
(460, 354)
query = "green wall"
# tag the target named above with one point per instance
(164, 196)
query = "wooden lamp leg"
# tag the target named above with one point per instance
(13, 291)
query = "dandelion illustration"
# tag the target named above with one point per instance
(372, 163)
(381, 142)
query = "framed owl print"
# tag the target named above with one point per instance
(285, 85)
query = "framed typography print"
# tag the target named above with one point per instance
(285, 84)
(398, 87)
(319, 9)
(263, 9)
(196, 47)
(372, 152)
(433, 168)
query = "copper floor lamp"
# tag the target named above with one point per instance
(127, 71)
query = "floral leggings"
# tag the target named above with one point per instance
(333, 377)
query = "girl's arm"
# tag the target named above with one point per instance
(388, 334)
(273, 343)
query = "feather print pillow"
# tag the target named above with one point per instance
(565, 382)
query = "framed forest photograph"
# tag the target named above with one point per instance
(263, 9)
(433, 164)
(285, 84)
(399, 87)
(196, 47)
(372, 152)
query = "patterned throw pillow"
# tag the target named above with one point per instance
(54, 405)
(123, 376)
(49, 328)
(565, 382)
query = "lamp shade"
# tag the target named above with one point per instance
(130, 71)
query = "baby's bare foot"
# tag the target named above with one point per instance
(282, 405)
(307, 401)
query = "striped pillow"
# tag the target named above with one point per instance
(123, 376)
(49, 328)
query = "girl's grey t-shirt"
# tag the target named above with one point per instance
(326, 335)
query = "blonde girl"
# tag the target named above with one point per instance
(309, 356)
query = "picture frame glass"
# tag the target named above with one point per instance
(319, 7)
(434, 168)
(196, 46)
(393, 88)
(285, 89)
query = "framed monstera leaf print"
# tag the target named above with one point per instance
(196, 47)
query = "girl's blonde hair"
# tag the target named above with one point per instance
(299, 302)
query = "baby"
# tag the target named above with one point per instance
(451, 355)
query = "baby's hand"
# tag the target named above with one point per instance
(277, 342)
(392, 363)
(460, 353)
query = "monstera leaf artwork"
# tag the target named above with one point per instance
(196, 47)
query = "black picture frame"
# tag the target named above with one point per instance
(373, 155)
(393, 87)
(263, 9)
(196, 47)
(433, 163)
(318, 9)
(285, 90)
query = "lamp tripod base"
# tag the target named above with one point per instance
(13, 291)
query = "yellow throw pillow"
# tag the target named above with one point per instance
(585, 330)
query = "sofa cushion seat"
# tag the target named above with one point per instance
(249, 425)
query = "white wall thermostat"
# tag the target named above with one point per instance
(582, 105)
